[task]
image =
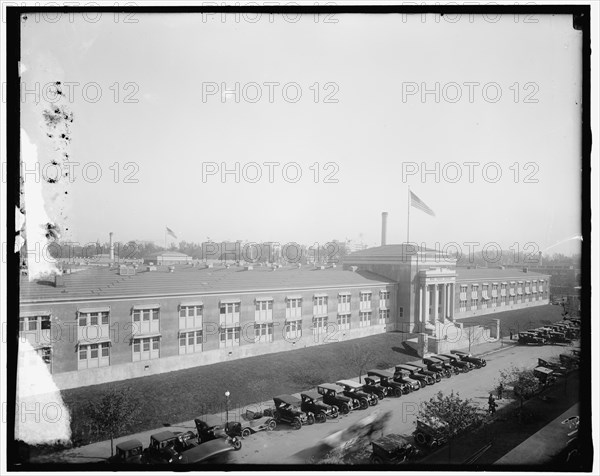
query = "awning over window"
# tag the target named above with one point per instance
(191, 304)
(264, 298)
(99, 340)
(294, 296)
(229, 301)
(89, 310)
(141, 307)
(320, 295)
(147, 336)
(366, 292)
(34, 313)
(347, 293)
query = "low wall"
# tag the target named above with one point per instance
(457, 336)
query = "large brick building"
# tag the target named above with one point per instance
(103, 324)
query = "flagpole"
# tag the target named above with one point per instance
(165, 238)
(408, 219)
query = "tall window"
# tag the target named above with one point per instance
(146, 319)
(320, 305)
(34, 323)
(190, 316)
(146, 348)
(365, 300)
(343, 322)
(93, 355)
(190, 342)
(384, 299)
(229, 313)
(293, 308)
(319, 325)
(229, 337)
(263, 310)
(293, 329)
(364, 318)
(263, 332)
(384, 316)
(344, 303)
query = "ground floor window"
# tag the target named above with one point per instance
(229, 337)
(146, 348)
(319, 325)
(263, 332)
(190, 342)
(384, 316)
(463, 305)
(365, 319)
(293, 329)
(474, 303)
(93, 356)
(46, 355)
(343, 322)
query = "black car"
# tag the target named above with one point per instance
(445, 362)
(287, 410)
(422, 369)
(373, 385)
(128, 452)
(467, 357)
(392, 449)
(414, 374)
(230, 431)
(356, 390)
(434, 365)
(386, 379)
(312, 402)
(403, 376)
(334, 395)
(455, 361)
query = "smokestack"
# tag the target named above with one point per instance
(540, 260)
(111, 247)
(384, 216)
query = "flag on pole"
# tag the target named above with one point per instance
(170, 232)
(420, 204)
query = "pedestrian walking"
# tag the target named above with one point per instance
(511, 335)
(500, 391)
(491, 405)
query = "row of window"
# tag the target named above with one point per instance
(474, 303)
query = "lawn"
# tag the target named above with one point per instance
(520, 319)
(182, 395)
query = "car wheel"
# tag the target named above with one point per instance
(380, 396)
(246, 432)
(438, 378)
(296, 424)
(376, 459)
(271, 425)
(345, 408)
(398, 392)
(364, 404)
(373, 401)
(237, 444)
(420, 438)
(334, 412)
(406, 389)
(447, 373)
(321, 417)
(310, 419)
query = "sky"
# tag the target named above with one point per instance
(508, 102)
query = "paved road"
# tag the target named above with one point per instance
(282, 445)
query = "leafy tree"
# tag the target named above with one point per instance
(459, 414)
(523, 382)
(114, 413)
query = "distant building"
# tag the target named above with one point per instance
(168, 258)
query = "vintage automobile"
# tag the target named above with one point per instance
(478, 362)
(334, 395)
(162, 448)
(373, 385)
(556, 367)
(312, 402)
(544, 375)
(253, 422)
(212, 451)
(386, 379)
(570, 331)
(530, 338)
(230, 432)
(457, 362)
(558, 338)
(128, 452)
(423, 380)
(437, 366)
(430, 432)
(287, 410)
(356, 390)
(403, 376)
(392, 449)
(570, 361)
(445, 362)
(422, 369)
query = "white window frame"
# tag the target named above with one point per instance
(190, 317)
(229, 337)
(344, 300)
(293, 329)
(364, 318)
(263, 310)
(263, 332)
(366, 299)
(229, 314)
(319, 325)
(343, 321)
(148, 348)
(320, 305)
(384, 316)
(195, 337)
(293, 308)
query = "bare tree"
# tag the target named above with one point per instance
(361, 357)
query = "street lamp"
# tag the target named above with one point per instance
(227, 409)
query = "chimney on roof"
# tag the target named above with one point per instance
(384, 216)
(111, 246)
(540, 260)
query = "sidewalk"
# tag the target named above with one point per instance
(101, 450)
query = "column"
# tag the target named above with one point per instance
(420, 303)
(426, 304)
(436, 301)
(452, 300)
(443, 301)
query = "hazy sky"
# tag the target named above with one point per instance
(377, 66)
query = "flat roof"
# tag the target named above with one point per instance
(98, 283)
(492, 274)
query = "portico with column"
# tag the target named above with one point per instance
(436, 297)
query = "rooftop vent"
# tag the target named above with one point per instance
(354, 269)
(525, 270)
(248, 268)
(171, 269)
(150, 268)
(126, 270)
(209, 265)
(299, 265)
(59, 281)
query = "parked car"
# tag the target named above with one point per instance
(162, 448)
(555, 366)
(334, 395)
(312, 402)
(256, 421)
(423, 380)
(210, 452)
(128, 452)
(356, 390)
(422, 369)
(386, 379)
(373, 385)
(544, 375)
(435, 365)
(230, 431)
(530, 338)
(569, 360)
(287, 410)
(403, 376)
(392, 449)
(430, 432)
(457, 362)
(478, 362)
(445, 362)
